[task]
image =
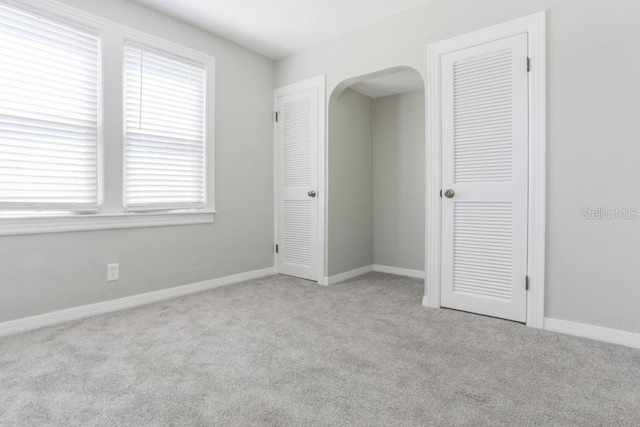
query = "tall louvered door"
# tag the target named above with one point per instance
(297, 176)
(484, 164)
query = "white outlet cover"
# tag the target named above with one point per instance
(113, 272)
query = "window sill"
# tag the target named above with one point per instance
(67, 223)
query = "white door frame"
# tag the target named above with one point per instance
(318, 83)
(535, 26)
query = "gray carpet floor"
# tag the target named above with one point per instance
(282, 351)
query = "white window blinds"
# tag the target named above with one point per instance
(48, 114)
(165, 131)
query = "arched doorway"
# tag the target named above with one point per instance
(375, 172)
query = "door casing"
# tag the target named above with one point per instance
(535, 26)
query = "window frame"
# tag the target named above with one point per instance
(207, 69)
(112, 213)
(75, 25)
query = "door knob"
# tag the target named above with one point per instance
(312, 193)
(449, 193)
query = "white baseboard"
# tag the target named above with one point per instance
(332, 280)
(417, 274)
(598, 333)
(615, 336)
(48, 319)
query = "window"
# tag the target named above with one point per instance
(101, 126)
(165, 131)
(49, 115)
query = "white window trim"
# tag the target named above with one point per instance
(73, 208)
(60, 224)
(208, 66)
(112, 213)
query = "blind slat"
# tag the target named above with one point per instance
(152, 158)
(166, 98)
(57, 56)
(59, 31)
(22, 125)
(70, 143)
(53, 79)
(160, 111)
(157, 75)
(150, 120)
(47, 169)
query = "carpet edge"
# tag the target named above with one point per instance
(12, 327)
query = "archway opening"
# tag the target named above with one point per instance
(376, 174)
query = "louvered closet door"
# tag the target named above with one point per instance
(484, 161)
(297, 144)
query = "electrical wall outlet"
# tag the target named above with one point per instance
(113, 272)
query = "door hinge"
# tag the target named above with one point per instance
(276, 115)
(526, 283)
(528, 64)
(276, 248)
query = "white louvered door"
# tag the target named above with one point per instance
(485, 163)
(297, 176)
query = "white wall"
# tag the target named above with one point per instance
(399, 180)
(593, 128)
(48, 272)
(350, 163)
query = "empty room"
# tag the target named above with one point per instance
(319, 213)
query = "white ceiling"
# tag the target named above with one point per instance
(277, 28)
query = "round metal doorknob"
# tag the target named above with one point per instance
(312, 193)
(449, 193)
